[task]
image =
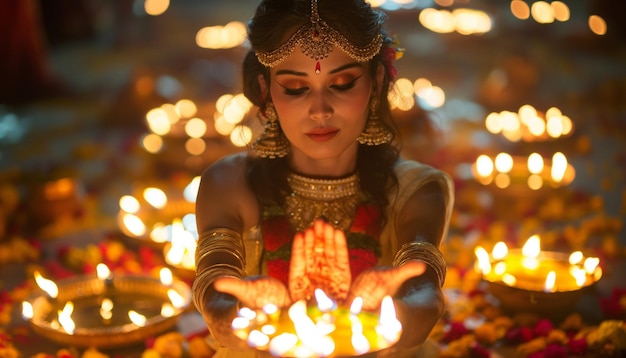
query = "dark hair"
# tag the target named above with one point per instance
(273, 22)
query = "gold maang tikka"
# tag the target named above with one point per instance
(316, 39)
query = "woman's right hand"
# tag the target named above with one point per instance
(255, 291)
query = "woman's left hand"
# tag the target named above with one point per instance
(374, 284)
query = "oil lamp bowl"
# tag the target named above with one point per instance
(151, 218)
(143, 294)
(529, 296)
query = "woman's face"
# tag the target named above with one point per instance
(322, 114)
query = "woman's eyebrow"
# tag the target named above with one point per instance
(346, 66)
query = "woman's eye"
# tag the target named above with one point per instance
(345, 86)
(294, 91)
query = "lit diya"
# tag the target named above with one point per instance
(536, 280)
(319, 330)
(105, 310)
(149, 214)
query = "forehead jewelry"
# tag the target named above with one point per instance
(316, 39)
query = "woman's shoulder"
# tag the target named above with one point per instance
(227, 168)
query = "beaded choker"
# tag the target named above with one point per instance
(316, 40)
(333, 199)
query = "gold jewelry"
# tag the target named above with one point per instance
(333, 199)
(221, 241)
(207, 276)
(423, 251)
(375, 132)
(316, 40)
(272, 143)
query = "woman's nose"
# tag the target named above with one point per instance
(320, 109)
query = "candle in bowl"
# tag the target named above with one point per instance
(534, 280)
(318, 328)
(111, 311)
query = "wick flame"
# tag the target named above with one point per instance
(47, 285)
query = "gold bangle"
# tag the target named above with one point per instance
(423, 251)
(221, 240)
(206, 277)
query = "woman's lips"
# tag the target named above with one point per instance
(322, 134)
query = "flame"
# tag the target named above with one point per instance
(324, 303)
(282, 344)
(307, 330)
(167, 310)
(177, 300)
(134, 224)
(49, 286)
(356, 306)
(499, 251)
(155, 197)
(65, 317)
(359, 342)
(559, 167)
(550, 281)
(106, 308)
(509, 279)
(166, 276)
(182, 251)
(535, 163)
(137, 318)
(484, 263)
(591, 264)
(103, 271)
(532, 247)
(27, 310)
(388, 324)
(575, 258)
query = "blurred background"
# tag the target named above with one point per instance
(523, 102)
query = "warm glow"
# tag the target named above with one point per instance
(504, 162)
(195, 128)
(48, 286)
(158, 121)
(195, 146)
(389, 326)
(155, 197)
(483, 262)
(550, 281)
(166, 277)
(575, 258)
(156, 7)
(597, 25)
(324, 303)
(231, 35)
(532, 247)
(535, 163)
(129, 204)
(152, 143)
(484, 166)
(103, 271)
(134, 224)
(542, 12)
(106, 308)
(137, 318)
(185, 108)
(561, 11)
(499, 251)
(65, 317)
(520, 9)
(27, 310)
(559, 166)
(241, 136)
(176, 299)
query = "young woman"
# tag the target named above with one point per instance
(322, 199)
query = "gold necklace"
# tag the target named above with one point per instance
(333, 199)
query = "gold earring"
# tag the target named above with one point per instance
(272, 143)
(375, 132)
